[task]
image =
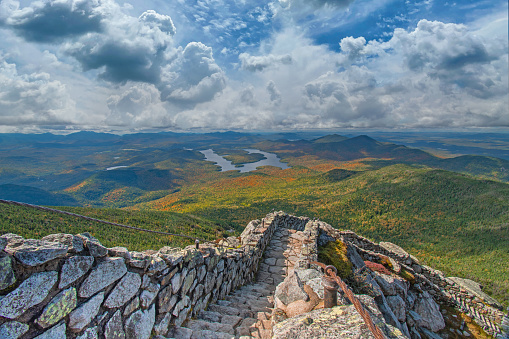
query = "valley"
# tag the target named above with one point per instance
(449, 211)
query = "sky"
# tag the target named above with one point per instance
(193, 65)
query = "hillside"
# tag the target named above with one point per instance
(33, 223)
(452, 221)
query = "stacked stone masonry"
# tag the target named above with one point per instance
(70, 286)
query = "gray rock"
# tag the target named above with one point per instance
(180, 332)
(74, 244)
(114, 329)
(36, 252)
(56, 332)
(398, 306)
(13, 329)
(139, 260)
(7, 277)
(93, 245)
(161, 328)
(428, 309)
(400, 253)
(83, 315)
(156, 264)
(188, 280)
(176, 282)
(391, 285)
(475, 288)
(429, 334)
(180, 305)
(132, 306)
(139, 324)
(30, 293)
(106, 273)
(125, 289)
(308, 274)
(148, 295)
(90, 333)
(73, 269)
(291, 290)
(354, 257)
(13, 240)
(316, 285)
(119, 252)
(59, 307)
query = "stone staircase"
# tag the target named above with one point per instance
(246, 313)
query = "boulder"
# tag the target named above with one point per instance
(139, 324)
(73, 269)
(31, 292)
(59, 307)
(398, 306)
(13, 329)
(428, 309)
(106, 273)
(395, 249)
(114, 328)
(125, 289)
(290, 290)
(7, 277)
(37, 252)
(83, 315)
(74, 243)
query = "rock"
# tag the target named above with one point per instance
(114, 329)
(56, 332)
(180, 332)
(300, 306)
(308, 274)
(13, 329)
(107, 272)
(290, 290)
(475, 289)
(83, 315)
(132, 306)
(354, 257)
(3, 243)
(188, 280)
(74, 244)
(156, 264)
(139, 260)
(73, 269)
(149, 294)
(176, 282)
(391, 285)
(337, 322)
(13, 240)
(31, 292)
(37, 252)
(398, 307)
(125, 289)
(429, 311)
(139, 324)
(429, 334)
(317, 286)
(119, 252)
(93, 245)
(7, 277)
(90, 333)
(161, 328)
(59, 307)
(398, 251)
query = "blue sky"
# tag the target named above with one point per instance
(123, 66)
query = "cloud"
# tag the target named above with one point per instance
(31, 99)
(258, 63)
(54, 20)
(293, 4)
(192, 76)
(275, 95)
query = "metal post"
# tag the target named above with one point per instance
(197, 243)
(330, 289)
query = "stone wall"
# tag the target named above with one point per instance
(71, 286)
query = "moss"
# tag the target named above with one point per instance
(334, 253)
(407, 276)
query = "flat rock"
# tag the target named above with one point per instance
(93, 245)
(31, 292)
(475, 288)
(125, 289)
(60, 306)
(389, 246)
(74, 244)
(73, 269)
(139, 324)
(180, 332)
(56, 332)
(114, 329)
(83, 315)
(7, 277)
(37, 252)
(106, 273)
(13, 329)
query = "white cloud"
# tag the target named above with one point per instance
(259, 63)
(33, 99)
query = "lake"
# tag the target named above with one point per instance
(270, 160)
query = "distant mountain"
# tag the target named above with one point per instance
(329, 138)
(36, 196)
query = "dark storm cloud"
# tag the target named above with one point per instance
(55, 20)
